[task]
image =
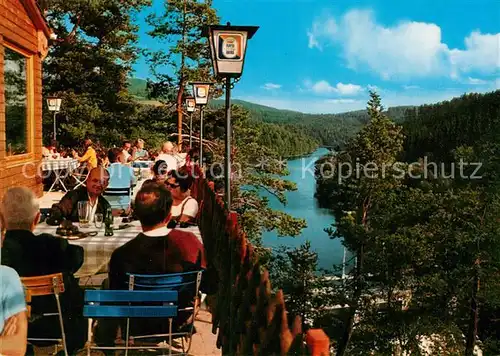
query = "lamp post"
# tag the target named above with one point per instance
(228, 48)
(190, 107)
(200, 92)
(54, 104)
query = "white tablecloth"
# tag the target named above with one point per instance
(59, 164)
(98, 249)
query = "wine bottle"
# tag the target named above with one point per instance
(108, 223)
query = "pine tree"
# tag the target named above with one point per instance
(186, 56)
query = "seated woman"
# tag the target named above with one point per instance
(138, 152)
(184, 207)
(160, 172)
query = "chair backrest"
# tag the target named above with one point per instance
(119, 197)
(130, 304)
(118, 191)
(44, 285)
(171, 281)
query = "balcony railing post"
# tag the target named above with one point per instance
(318, 342)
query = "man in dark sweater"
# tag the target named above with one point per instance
(67, 208)
(157, 250)
(32, 255)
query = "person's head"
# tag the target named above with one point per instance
(126, 145)
(152, 205)
(87, 143)
(178, 183)
(139, 144)
(97, 181)
(53, 143)
(115, 155)
(19, 209)
(160, 170)
(167, 147)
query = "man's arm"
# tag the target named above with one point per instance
(13, 338)
(64, 208)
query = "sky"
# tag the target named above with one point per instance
(320, 56)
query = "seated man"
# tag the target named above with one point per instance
(32, 255)
(120, 176)
(67, 208)
(13, 320)
(157, 250)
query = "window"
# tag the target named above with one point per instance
(16, 102)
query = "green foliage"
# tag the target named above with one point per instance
(429, 243)
(138, 88)
(294, 271)
(440, 128)
(187, 55)
(326, 129)
(257, 168)
(88, 67)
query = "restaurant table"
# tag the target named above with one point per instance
(98, 249)
(58, 166)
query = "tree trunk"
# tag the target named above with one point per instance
(360, 256)
(473, 318)
(346, 338)
(179, 114)
(181, 81)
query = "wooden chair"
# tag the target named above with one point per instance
(51, 284)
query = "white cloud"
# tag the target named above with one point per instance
(320, 29)
(404, 50)
(410, 87)
(271, 86)
(476, 81)
(482, 53)
(343, 101)
(323, 87)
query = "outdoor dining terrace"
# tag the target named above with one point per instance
(241, 315)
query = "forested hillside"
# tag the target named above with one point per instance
(440, 128)
(428, 233)
(327, 129)
(292, 132)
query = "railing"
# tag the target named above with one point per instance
(251, 319)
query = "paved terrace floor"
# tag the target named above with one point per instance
(204, 342)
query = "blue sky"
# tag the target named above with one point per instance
(323, 56)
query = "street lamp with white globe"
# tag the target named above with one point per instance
(54, 105)
(201, 92)
(190, 108)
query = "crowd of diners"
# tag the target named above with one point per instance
(160, 205)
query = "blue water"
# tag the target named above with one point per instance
(301, 203)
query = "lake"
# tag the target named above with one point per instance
(301, 203)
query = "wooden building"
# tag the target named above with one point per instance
(24, 37)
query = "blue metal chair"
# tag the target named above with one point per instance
(129, 304)
(119, 198)
(180, 282)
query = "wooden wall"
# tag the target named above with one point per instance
(18, 31)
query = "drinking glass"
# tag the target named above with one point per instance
(99, 218)
(84, 213)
